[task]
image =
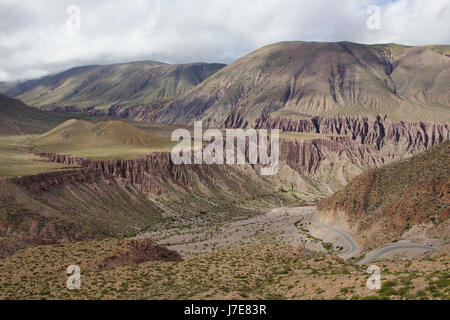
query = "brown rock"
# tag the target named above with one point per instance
(139, 250)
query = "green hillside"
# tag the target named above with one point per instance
(17, 118)
(144, 82)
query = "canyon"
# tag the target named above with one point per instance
(364, 139)
(151, 186)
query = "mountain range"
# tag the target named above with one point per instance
(364, 163)
(287, 80)
(146, 83)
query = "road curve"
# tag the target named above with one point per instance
(378, 253)
(352, 247)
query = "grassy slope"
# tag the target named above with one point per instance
(103, 140)
(146, 82)
(16, 158)
(19, 125)
(303, 79)
(18, 118)
(392, 198)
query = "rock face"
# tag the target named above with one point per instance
(108, 198)
(139, 250)
(408, 136)
(382, 203)
(147, 173)
(155, 173)
(306, 156)
(314, 166)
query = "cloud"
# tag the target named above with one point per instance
(41, 37)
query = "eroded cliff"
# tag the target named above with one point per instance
(382, 203)
(380, 132)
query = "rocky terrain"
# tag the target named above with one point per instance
(138, 250)
(100, 198)
(317, 166)
(381, 204)
(380, 132)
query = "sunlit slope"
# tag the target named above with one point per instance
(104, 140)
(304, 79)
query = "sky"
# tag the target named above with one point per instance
(39, 37)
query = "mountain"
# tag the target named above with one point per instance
(282, 81)
(300, 80)
(146, 82)
(18, 118)
(382, 203)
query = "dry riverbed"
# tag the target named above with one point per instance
(290, 226)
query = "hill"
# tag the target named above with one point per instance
(299, 80)
(18, 118)
(381, 204)
(131, 84)
(105, 140)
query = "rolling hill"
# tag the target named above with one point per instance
(382, 203)
(299, 80)
(105, 140)
(131, 84)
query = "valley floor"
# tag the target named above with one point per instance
(291, 226)
(274, 256)
(254, 271)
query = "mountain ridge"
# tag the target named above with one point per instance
(285, 80)
(306, 79)
(149, 83)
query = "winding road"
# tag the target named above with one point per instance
(279, 225)
(378, 253)
(353, 249)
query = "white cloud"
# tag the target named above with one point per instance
(35, 40)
